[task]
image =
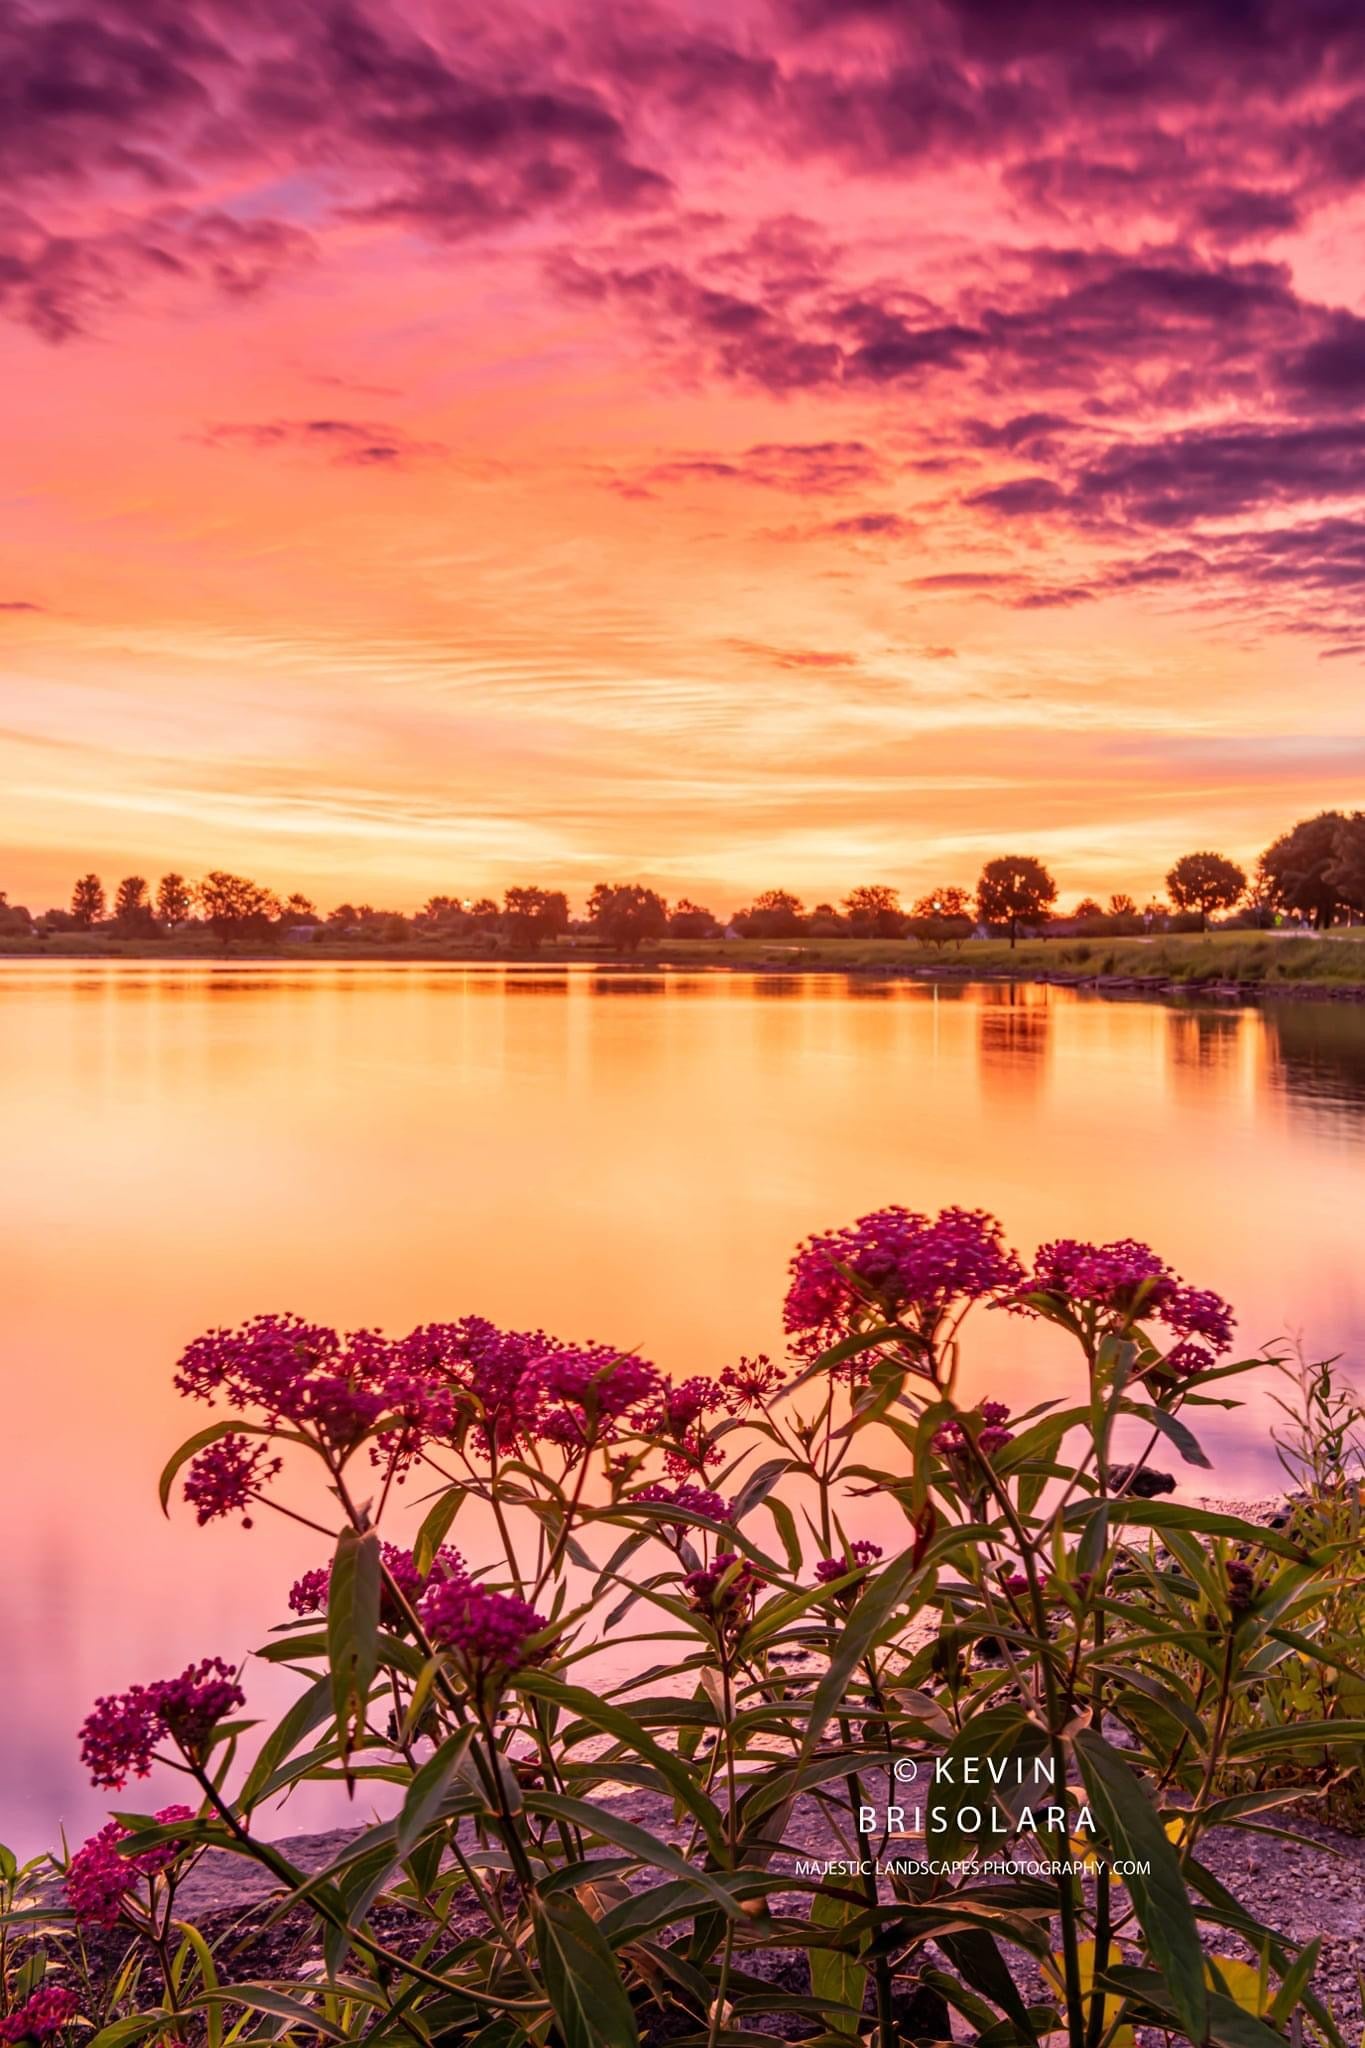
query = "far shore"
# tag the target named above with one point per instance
(1227, 966)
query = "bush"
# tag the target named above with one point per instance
(1099, 1657)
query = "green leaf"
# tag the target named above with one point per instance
(1179, 1433)
(1162, 1904)
(265, 1998)
(353, 1628)
(307, 1712)
(758, 1486)
(868, 1622)
(436, 1527)
(836, 1976)
(428, 1789)
(581, 1977)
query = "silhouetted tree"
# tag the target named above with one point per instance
(1347, 871)
(625, 913)
(1296, 869)
(530, 916)
(87, 901)
(1013, 888)
(1205, 882)
(874, 911)
(950, 901)
(298, 910)
(1087, 907)
(775, 914)
(173, 899)
(344, 917)
(1121, 905)
(235, 908)
(132, 906)
(688, 920)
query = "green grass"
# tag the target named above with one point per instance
(1217, 956)
(1244, 957)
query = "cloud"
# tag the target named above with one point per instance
(805, 468)
(350, 444)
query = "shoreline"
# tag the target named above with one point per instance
(893, 962)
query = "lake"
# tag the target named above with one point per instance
(622, 1156)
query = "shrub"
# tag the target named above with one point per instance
(1044, 1619)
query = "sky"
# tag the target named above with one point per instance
(782, 443)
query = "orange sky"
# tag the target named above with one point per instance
(723, 449)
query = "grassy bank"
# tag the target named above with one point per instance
(1246, 959)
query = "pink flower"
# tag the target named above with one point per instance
(860, 1555)
(751, 1381)
(486, 1632)
(308, 1595)
(1124, 1284)
(951, 1440)
(894, 1266)
(118, 1736)
(226, 1476)
(98, 1877)
(121, 1730)
(724, 1591)
(50, 2007)
(191, 1706)
(695, 1500)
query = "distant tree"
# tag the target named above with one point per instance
(444, 913)
(1297, 870)
(395, 929)
(1121, 905)
(1087, 907)
(950, 901)
(1347, 872)
(874, 911)
(625, 913)
(173, 900)
(235, 908)
(132, 905)
(688, 920)
(825, 922)
(15, 921)
(1205, 882)
(344, 917)
(775, 914)
(298, 910)
(530, 916)
(483, 914)
(87, 901)
(1015, 888)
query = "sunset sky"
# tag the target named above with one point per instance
(798, 443)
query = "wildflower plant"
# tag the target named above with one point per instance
(610, 1738)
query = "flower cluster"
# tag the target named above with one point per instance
(121, 1731)
(98, 1878)
(225, 1477)
(724, 1591)
(752, 1382)
(486, 1632)
(951, 1438)
(694, 1500)
(49, 2008)
(678, 1419)
(1126, 1283)
(857, 1558)
(895, 1266)
(308, 1595)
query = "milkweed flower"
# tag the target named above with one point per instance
(120, 1733)
(894, 1265)
(1122, 1285)
(98, 1878)
(859, 1556)
(308, 1595)
(226, 1477)
(695, 1500)
(487, 1633)
(49, 2008)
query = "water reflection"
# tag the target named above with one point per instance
(389, 1144)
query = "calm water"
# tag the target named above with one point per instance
(624, 1157)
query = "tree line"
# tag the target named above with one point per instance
(1315, 872)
